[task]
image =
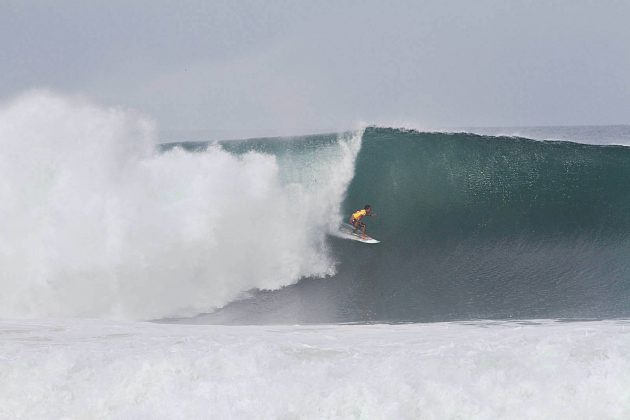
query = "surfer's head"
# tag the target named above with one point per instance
(368, 208)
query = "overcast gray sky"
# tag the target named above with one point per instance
(301, 66)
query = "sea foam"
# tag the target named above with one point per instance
(481, 370)
(98, 223)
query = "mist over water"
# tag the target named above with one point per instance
(98, 222)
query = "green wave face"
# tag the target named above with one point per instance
(471, 227)
(489, 227)
(436, 187)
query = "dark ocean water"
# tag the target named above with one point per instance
(472, 226)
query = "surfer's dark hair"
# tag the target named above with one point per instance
(367, 207)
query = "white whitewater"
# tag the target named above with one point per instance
(484, 370)
(97, 223)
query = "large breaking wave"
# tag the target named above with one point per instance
(472, 227)
(99, 221)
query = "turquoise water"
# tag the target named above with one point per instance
(472, 227)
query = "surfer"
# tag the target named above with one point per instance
(355, 219)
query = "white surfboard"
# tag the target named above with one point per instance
(346, 231)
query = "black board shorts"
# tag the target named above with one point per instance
(357, 224)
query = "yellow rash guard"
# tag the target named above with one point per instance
(358, 215)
